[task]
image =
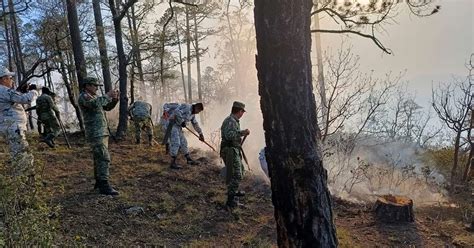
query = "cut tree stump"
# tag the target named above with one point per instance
(394, 209)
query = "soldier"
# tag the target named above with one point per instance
(48, 115)
(178, 117)
(140, 113)
(231, 152)
(13, 120)
(92, 107)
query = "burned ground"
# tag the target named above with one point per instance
(162, 207)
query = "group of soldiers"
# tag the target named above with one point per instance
(175, 118)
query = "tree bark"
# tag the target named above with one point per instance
(298, 179)
(188, 58)
(79, 60)
(470, 160)
(123, 106)
(104, 58)
(454, 169)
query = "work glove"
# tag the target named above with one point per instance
(23, 88)
(201, 137)
(183, 124)
(32, 87)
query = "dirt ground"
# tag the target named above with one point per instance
(186, 207)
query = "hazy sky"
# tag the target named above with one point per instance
(430, 49)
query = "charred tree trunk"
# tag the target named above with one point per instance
(181, 59)
(104, 59)
(394, 209)
(298, 179)
(79, 60)
(188, 58)
(138, 55)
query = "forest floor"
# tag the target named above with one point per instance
(175, 208)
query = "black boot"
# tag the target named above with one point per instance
(106, 189)
(150, 140)
(49, 140)
(190, 161)
(167, 146)
(137, 141)
(173, 164)
(231, 201)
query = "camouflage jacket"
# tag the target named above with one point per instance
(92, 108)
(11, 109)
(140, 109)
(46, 109)
(183, 113)
(230, 132)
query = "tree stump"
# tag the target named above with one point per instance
(394, 209)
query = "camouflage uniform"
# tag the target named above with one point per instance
(13, 126)
(183, 113)
(92, 108)
(140, 112)
(48, 115)
(231, 154)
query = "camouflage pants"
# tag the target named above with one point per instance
(51, 127)
(100, 152)
(234, 169)
(178, 141)
(143, 123)
(21, 159)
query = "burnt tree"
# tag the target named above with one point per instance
(299, 181)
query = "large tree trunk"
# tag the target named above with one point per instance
(181, 59)
(188, 58)
(79, 60)
(104, 59)
(123, 107)
(298, 179)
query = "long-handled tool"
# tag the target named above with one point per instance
(64, 133)
(243, 153)
(201, 140)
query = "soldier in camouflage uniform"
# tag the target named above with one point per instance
(140, 112)
(178, 117)
(48, 115)
(13, 122)
(231, 152)
(92, 107)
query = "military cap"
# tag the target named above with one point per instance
(5, 72)
(239, 105)
(91, 80)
